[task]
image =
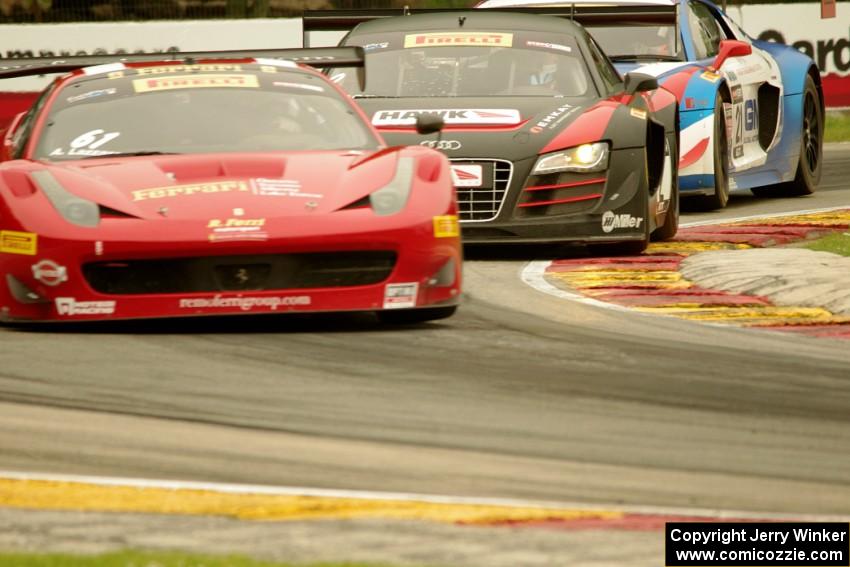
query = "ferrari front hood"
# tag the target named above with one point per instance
(214, 186)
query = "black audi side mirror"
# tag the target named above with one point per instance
(429, 123)
(638, 83)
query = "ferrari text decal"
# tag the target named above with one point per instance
(70, 306)
(217, 223)
(237, 229)
(195, 82)
(400, 295)
(50, 273)
(91, 94)
(446, 226)
(13, 242)
(186, 190)
(459, 38)
(280, 188)
(450, 116)
(244, 303)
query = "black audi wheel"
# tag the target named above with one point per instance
(671, 219)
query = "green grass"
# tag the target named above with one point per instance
(836, 243)
(146, 559)
(837, 126)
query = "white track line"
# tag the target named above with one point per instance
(533, 273)
(229, 488)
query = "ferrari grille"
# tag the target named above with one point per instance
(483, 203)
(240, 273)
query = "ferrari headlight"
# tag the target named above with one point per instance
(391, 198)
(584, 158)
(73, 209)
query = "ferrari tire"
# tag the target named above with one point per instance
(720, 197)
(671, 218)
(810, 164)
(414, 316)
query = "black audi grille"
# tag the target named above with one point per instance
(483, 204)
(240, 273)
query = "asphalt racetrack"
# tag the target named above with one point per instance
(519, 395)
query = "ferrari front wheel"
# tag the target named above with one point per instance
(414, 316)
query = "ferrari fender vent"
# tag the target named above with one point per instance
(114, 213)
(240, 273)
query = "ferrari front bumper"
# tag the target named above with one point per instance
(56, 283)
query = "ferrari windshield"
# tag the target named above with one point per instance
(469, 63)
(199, 109)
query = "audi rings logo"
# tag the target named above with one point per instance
(442, 144)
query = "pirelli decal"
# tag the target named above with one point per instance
(152, 84)
(203, 68)
(446, 226)
(459, 38)
(14, 242)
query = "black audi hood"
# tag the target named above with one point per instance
(513, 128)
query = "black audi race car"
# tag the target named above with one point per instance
(547, 141)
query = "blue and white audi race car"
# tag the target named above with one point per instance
(770, 94)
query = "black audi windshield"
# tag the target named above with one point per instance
(199, 109)
(469, 63)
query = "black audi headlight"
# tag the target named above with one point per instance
(583, 159)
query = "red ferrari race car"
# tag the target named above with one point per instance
(204, 186)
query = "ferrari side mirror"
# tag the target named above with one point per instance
(8, 135)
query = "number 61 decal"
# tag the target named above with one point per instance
(91, 141)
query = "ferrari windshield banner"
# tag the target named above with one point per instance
(469, 116)
(459, 38)
(195, 82)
